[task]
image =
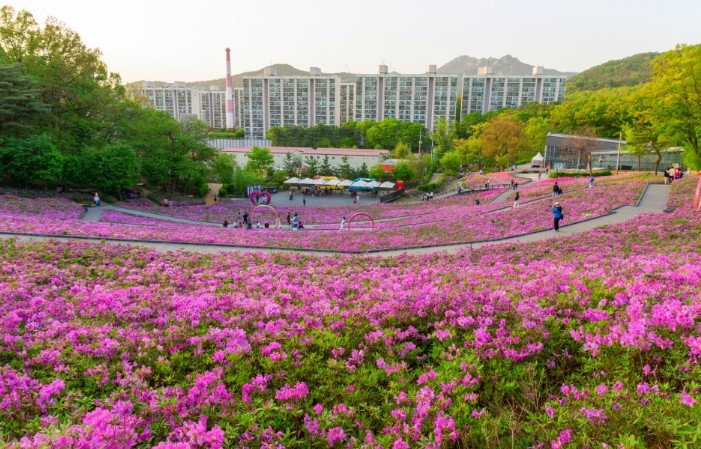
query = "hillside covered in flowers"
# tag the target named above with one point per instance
(587, 341)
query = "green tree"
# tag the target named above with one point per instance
(261, 161)
(363, 171)
(31, 161)
(376, 172)
(311, 166)
(384, 134)
(645, 133)
(442, 137)
(345, 169)
(279, 176)
(404, 172)
(291, 165)
(21, 106)
(536, 131)
(451, 163)
(325, 167)
(502, 138)
(676, 82)
(223, 168)
(243, 179)
(111, 169)
(402, 150)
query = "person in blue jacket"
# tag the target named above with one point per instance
(557, 215)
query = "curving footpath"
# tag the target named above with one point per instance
(653, 200)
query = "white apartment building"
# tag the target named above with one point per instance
(179, 100)
(270, 100)
(415, 98)
(487, 92)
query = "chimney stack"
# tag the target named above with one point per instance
(229, 94)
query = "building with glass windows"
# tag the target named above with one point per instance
(270, 100)
(415, 98)
(486, 92)
(179, 100)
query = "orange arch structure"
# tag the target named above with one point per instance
(350, 220)
(697, 196)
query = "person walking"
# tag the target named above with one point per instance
(591, 182)
(343, 224)
(304, 202)
(556, 189)
(292, 195)
(245, 218)
(517, 197)
(277, 221)
(289, 219)
(295, 222)
(96, 198)
(557, 215)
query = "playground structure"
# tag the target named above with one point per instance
(257, 195)
(350, 220)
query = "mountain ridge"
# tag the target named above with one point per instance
(461, 65)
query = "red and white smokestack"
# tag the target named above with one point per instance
(229, 93)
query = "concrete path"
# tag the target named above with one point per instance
(162, 217)
(92, 214)
(653, 201)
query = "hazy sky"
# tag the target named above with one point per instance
(185, 41)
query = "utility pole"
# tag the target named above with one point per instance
(420, 135)
(618, 157)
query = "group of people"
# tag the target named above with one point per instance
(244, 221)
(672, 173)
(428, 196)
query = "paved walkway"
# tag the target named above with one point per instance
(162, 217)
(92, 214)
(653, 201)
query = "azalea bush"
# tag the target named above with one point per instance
(586, 341)
(455, 219)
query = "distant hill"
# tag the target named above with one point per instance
(236, 79)
(462, 65)
(506, 65)
(629, 71)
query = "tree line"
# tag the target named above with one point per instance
(66, 120)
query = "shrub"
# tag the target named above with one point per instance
(578, 174)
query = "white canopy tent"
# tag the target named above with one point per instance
(373, 184)
(345, 183)
(332, 182)
(307, 181)
(537, 160)
(291, 181)
(359, 184)
(319, 182)
(386, 185)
